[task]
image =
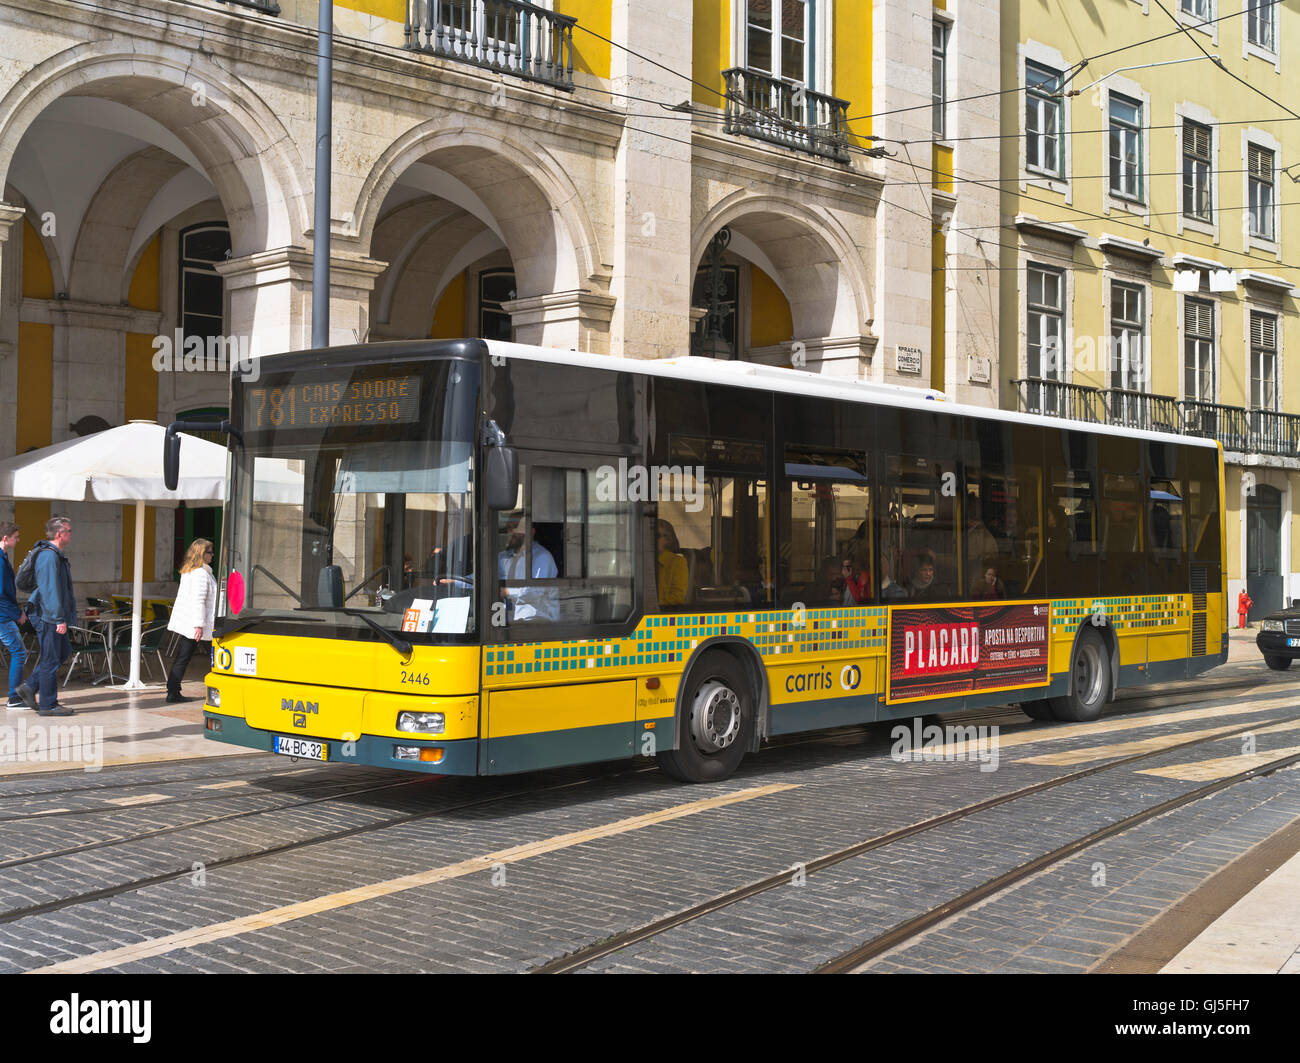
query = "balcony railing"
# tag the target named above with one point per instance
(508, 36)
(266, 7)
(1238, 429)
(786, 113)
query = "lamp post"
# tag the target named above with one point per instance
(320, 266)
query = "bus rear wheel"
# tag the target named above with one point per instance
(716, 724)
(1089, 681)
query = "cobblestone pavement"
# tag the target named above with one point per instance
(261, 864)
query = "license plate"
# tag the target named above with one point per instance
(1293, 642)
(300, 747)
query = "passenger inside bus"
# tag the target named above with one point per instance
(988, 585)
(890, 588)
(925, 587)
(674, 583)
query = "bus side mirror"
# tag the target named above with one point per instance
(171, 458)
(500, 477)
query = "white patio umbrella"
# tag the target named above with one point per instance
(120, 465)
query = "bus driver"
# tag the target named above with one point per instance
(527, 603)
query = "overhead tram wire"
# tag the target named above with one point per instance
(363, 45)
(388, 51)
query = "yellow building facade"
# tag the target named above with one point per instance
(1150, 227)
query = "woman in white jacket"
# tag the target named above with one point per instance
(194, 612)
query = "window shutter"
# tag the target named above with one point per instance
(1263, 331)
(1261, 163)
(1198, 318)
(1198, 140)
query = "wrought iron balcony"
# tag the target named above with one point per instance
(508, 36)
(786, 113)
(1241, 430)
(266, 7)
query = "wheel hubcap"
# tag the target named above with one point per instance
(1088, 674)
(715, 717)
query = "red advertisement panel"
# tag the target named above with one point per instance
(947, 650)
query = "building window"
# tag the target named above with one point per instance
(780, 50)
(1198, 9)
(939, 91)
(1125, 147)
(1044, 113)
(1197, 145)
(1261, 192)
(202, 291)
(495, 286)
(1046, 323)
(1260, 24)
(1263, 361)
(1198, 350)
(1127, 336)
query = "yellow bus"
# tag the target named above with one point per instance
(470, 557)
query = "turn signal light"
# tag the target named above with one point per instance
(212, 724)
(431, 756)
(652, 683)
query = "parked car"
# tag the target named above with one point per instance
(1279, 638)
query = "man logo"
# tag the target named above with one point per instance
(851, 677)
(223, 659)
(300, 719)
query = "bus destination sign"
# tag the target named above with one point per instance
(384, 400)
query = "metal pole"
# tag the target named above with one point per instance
(137, 593)
(320, 267)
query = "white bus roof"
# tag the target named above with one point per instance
(799, 382)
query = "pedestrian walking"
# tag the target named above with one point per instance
(12, 617)
(194, 612)
(53, 609)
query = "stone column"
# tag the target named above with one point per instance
(269, 297)
(575, 321)
(901, 73)
(652, 178)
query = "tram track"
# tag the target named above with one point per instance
(829, 737)
(584, 957)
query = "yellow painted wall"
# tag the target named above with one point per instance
(852, 64)
(710, 49)
(938, 309)
(449, 317)
(591, 55)
(941, 168)
(143, 293)
(36, 391)
(38, 279)
(770, 319)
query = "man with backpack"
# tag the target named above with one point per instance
(12, 618)
(52, 609)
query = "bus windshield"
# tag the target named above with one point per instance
(351, 499)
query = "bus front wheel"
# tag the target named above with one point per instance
(1089, 681)
(716, 724)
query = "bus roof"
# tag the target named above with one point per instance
(713, 371)
(798, 382)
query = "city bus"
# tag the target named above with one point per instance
(476, 558)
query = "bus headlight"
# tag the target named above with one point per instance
(433, 723)
(214, 697)
(1270, 625)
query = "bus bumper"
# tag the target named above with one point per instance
(460, 757)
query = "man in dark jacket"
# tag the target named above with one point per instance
(53, 609)
(11, 618)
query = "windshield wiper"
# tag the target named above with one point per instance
(247, 622)
(400, 645)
